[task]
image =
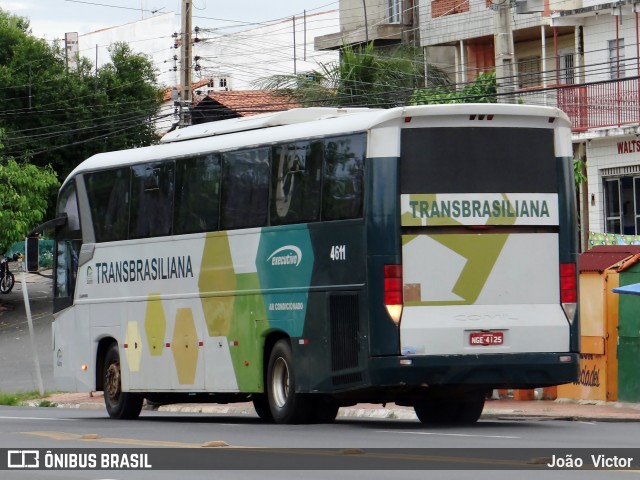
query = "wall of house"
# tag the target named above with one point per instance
(607, 153)
(435, 30)
(474, 23)
(352, 14)
(533, 48)
(598, 29)
(592, 3)
(480, 58)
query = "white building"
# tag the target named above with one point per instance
(151, 36)
(240, 59)
(605, 113)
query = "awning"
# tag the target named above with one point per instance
(633, 289)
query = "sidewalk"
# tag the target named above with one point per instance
(43, 276)
(506, 409)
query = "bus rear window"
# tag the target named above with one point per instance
(478, 160)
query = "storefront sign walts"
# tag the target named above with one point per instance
(629, 146)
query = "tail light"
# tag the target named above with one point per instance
(568, 283)
(393, 291)
(568, 289)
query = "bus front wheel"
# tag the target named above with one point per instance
(120, 405)
(286, 405)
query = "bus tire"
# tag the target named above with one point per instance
(119, 404)
(324, 411)
(286, 405)
(471, 411)
(440, 411)
(261, 406)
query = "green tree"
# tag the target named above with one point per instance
(482, 90)
(24, 189)
(362, 78)
(60, 117)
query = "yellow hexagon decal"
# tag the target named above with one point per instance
(133, 346)
(185, 346)
(155, 325)
(217, 275)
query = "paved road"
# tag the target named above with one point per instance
(348, 439)
(18, 370)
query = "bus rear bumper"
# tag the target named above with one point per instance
(522, 370)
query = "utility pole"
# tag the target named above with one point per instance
(366, 22)
(185, 73)
(503, 41)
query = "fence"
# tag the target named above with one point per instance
(45, 250)
(612, 103)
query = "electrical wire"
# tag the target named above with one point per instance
(277, 51)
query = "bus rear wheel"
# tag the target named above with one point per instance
(324, 410)
(120, 405)
(285, 404)
(455, 410)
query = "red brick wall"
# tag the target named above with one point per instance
(440, 8)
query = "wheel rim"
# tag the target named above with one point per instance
(112, 381)
(280, 382)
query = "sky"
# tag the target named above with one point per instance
(50, 19)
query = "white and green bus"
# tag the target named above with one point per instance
(317, 258)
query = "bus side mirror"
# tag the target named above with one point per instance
(33, 254)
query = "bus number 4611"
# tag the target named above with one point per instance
(338, 252)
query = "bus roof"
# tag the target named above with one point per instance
(255, 122)
(296, 124)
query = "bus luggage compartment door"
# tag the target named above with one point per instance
(467, 293)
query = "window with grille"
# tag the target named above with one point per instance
(616, 58)
(394, 11)
(567, 70)
(529, 72)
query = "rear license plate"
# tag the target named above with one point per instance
(486, 338)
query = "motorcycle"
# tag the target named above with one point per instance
(7, 280)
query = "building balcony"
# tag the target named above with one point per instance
(613, 103)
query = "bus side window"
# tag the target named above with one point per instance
(245, 190)
(343, 194)
(197, 200)
(295, 182)
(108, 193)
(151, 200)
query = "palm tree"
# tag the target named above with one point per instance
(362, 78)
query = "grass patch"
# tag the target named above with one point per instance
(16, 399)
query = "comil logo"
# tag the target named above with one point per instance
(23, 459)
(287, 255)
